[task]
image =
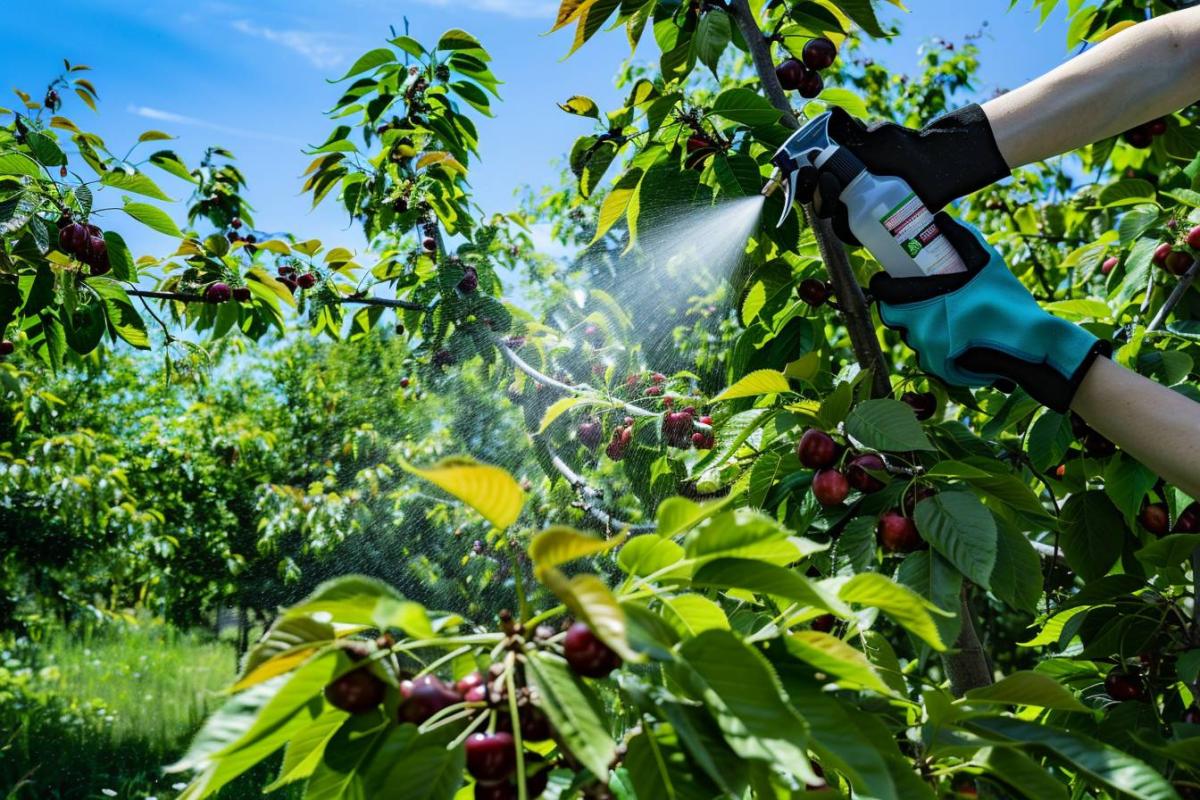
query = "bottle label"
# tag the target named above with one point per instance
(912, 225)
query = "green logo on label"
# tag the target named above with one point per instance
(912, 246)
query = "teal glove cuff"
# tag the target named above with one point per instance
(983, 326)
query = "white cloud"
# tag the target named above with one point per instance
(171, 117)
(510, 8)
(320, 49)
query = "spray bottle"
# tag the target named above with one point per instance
(884, 212)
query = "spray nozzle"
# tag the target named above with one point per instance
(800, 150)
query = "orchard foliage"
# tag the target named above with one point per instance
(746, 574)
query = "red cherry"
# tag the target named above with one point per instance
(1123, 685)
(241, 294)
(496, 791)
(290, 283)
(586, 654)
(697, 142)
(7, 348)
(470, 281)
(823, 623)
(858, 475)
(914, 496)
(923, 403)
(235, 223)
(491, 756)
(1178, 262)
(427, 696)
(306, 281)
(830, 487)
(1139, 138)
(468, 682)
(429, 244)
(657, 377)
(813, 292)
(1109, 265)
(1189, 519)
(819, 53)
(357, 691)
(1161, 252)
(1193, 237)
(811, 85)
(898, 533)
(677, 428)
(1158, 127)
(1155, 518)
(535, 726)
(790, 73)
(218, 293)
(589, 434)
(816, 449)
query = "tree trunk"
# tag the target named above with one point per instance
(967, 666)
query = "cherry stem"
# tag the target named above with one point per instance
(511, 684)
(447, 716)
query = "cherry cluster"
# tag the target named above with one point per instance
(1143, 135)
(804, 74)
(1156, 518)
(491, 757)
(621, 439)
(679, 429)
(234, 237)
(85, 243)
(293, 279)
(655, 389)
(1177, 260)
(831, 485)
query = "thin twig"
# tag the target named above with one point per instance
(1176, 295)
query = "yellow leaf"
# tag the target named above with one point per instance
(762, 381)
(556, 410)
(309, 248)
(569, 10)
(276, 665)
(275, 246)
(583, 106)
(338, 255)
(259, 275)
(491, 491)
(65, 124)
(591, 602)
(1112, 31)
(560, 544)
(438, 158)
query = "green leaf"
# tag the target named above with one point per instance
(135, 182)
(368, 61)
(830, 654)
(591, 602)
(1093, 533)
(119, 257)
(962, 530)
(745, 106)
(574, 711)
(851, 102)
(766, 579)
(692, 614)
(713, 35)
(935, 579)
(863, 14)
(662, 768)
(1126, 483)
(286, 644)
(303, 753)
(763, 381)
(1127, 193)
(45, 149)
(153, 217)
(557, 409)
(359, 600)
(887, 425)
(678, 514)
(19, 164)
(743, 693)
(1100, 763)
(1169, 551)
(409, 766)
(1017, 576)
(746, 533)
(458, 39)
(1021, 773)
(168, 161)
(647, 554)
(900, 603)
(1027, 688)
(1048, 440)
(339, 774)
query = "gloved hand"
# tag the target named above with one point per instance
(949, 158)
(983, 327)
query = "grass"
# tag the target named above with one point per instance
(97, 712)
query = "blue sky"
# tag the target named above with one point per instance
(250, 76)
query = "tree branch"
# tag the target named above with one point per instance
(185, 297)
(1176, 295)
(852, 302)
(589, 493)
(966, 665)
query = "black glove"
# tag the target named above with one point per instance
(949, 158)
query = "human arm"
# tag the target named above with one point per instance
(1145, 71)
(1157, 426)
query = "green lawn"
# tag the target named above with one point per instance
(97, 712)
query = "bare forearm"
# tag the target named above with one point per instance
(1157, 426)
(1142, 73)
